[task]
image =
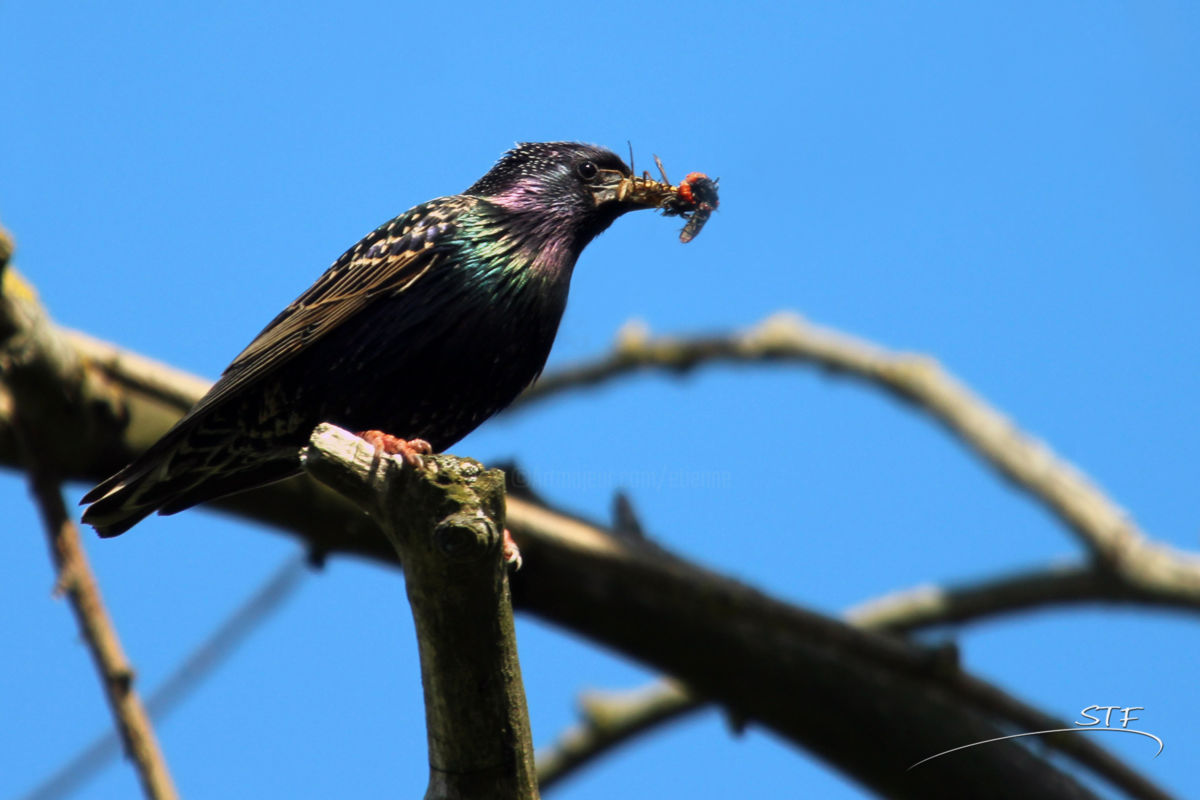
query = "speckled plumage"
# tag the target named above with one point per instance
(424, 329)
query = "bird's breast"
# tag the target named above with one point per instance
(436, 366)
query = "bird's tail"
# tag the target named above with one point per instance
(173, 475)
(125, 499)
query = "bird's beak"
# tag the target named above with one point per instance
(631, 191)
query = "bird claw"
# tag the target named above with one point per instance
(410, 450)
(512, 555)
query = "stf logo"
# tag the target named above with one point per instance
(1093, 724)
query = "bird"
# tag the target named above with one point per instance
(431, 324)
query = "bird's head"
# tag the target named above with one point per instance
(566, 190)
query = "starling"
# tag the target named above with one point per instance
(434, 322)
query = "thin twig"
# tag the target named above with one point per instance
(928, 606)
(194, 669)
(610, 719)
(39, 371)
(76, 581)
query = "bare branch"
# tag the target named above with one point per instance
(138, 375)
(836, 691)
(1104, 528)
(446, 521)
(199, 663)
(926, 606)
(610, 719)
(568, 587)
(122, 402)
(1145, 572)
(39, 372)
(76, 581)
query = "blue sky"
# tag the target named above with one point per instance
(1012, 188)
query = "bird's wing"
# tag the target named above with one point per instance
(387, 261)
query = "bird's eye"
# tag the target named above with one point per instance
(587, 170)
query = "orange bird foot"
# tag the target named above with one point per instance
(512, 556)
(410, 450)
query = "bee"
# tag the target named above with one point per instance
(695, 199)
(700, 191)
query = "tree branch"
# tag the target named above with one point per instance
(845, 671)
(27, 370)
(122, 402)
(76, 581)
(1104, 528)
(610, 719)
(837, 691)
(93, 757)
(445, 522)
(925, 606)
